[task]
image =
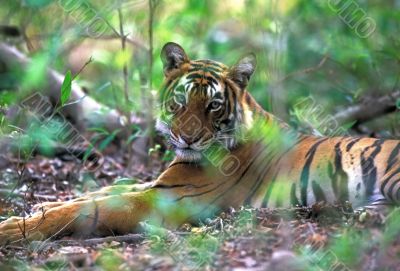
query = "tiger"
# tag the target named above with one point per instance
(230, 152)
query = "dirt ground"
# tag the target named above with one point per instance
(321, 237)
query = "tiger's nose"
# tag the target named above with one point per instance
(187, 140)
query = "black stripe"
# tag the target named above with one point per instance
(218, 95)
(318, 192)
(215, 74)
(202, 64)
(368, 168)
(195, 75)
(209, 79)
(227, 101)
(212, 64)
(388, 179)
(211, 70)
(268, 192)
(305, 174)
(390, 191)
(293, 197)
(195, 195)
(393, 157)
(234, 102)
(352, 143)
(182, 163)
(339, 177)
(332, 171)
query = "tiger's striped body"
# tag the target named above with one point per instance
(300, 172)
(329, 169)
(230, 152)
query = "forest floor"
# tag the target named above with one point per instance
(321, 237)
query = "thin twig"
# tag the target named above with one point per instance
(83, 67)
(123, 44)
(152, 8)
(305, 71)
(125, 75)
(129, 238)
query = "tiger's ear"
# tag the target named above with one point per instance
(241, 72)
(173, 56)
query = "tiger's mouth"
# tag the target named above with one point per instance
(188, 154)
(183, 152)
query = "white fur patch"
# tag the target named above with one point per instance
(188, 155)
(162, 127)
(248, 118)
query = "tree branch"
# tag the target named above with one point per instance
(370, 109)
(85, 112)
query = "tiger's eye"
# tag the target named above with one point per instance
(215, 105)
(180, 99)
(172, 107)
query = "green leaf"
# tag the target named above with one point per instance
(134, 135)
(88, 152)
(66, 88)
(99, 130)
(398, 103)
(108, 140)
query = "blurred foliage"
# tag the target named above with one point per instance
(287, 36)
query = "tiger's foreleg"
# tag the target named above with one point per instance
(114, 214)
(182, 193)
(105, 191)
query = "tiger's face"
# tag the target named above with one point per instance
(201, 102)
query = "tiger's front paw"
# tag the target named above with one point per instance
(17, 229)
(39, 226)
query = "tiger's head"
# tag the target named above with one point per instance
(203, 102)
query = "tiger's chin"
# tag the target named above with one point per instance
(188, 155)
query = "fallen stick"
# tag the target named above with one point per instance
(128, 238)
